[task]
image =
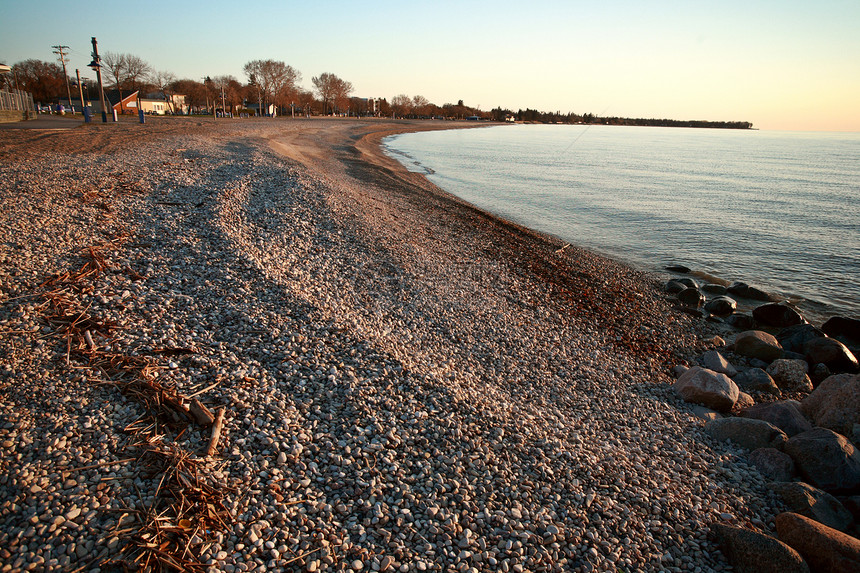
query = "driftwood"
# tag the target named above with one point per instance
(202, 414)
(216, 432)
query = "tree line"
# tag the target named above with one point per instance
(268, 85)
(274, 85)
(535, 116)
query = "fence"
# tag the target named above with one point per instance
(16, 100)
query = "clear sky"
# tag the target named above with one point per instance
(789, 64)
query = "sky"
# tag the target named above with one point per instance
(782, 65)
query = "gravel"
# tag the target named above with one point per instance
(410, 384)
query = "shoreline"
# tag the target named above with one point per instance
(410, 383)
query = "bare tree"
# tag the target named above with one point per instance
(419, 105)
(331, 89)
(114, 64)
(400, 104)
(125, 71)
(275, 81)
(164, 82)
(136, 71)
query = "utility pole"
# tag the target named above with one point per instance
(80, 89)
(59, 50)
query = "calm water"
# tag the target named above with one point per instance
(777, 210)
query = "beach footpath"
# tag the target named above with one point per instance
(263, 345)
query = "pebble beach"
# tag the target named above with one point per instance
(407, 383)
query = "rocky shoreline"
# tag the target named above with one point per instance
(789, 393)
(407, 383)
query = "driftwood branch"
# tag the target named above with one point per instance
(216, 432)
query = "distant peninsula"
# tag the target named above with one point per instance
(535, 116)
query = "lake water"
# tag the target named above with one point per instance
(777, 210)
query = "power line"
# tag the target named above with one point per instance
(59, 51)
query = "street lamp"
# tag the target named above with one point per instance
(96, 65)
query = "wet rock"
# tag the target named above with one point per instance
(757, 380)
(721, 306)
(790, 375)
(748, 433)
(773, 464)
(826, 460)
(752, 552)
(843, 327)
(746, 291)
(758, 344)
(691, 297)
(708, 388)
(674, 287)
(794, 337)
(713, 360)
(678, 269)
(813, 503)
(832, 353)
(715, 289)
(835, 404)
(823, 548)
(784, 415)
(740, 321)
(776, 314)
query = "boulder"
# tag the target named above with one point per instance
(721, 306)
(794, 337)
(820, 373)
(835, 404)
(743, 402)
(688, 282)
(813, 503)
(758, 344)
(713, 360)
(776, 314)
(746, 291)
(826, 460)
(752, 552)
(740, 321)
(674, 287)
(831, 352)
(756, 380)
(715, 289)
(678, 269)
(843, 327)
(790, 375)
(784, 415)
(773, 464)
(748, 433)
(691, 297)
(679, 369)
(852, 504)
(708, 388)
(823, 548)
(705, 414)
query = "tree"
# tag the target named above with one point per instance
(400, 104)
(136, 71)
(44, 80)
(125, 71)
(194, 92)
(163, 82)
(275, 81)
(419, 105)
(332, 90)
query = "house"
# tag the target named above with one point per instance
(126, 104)
(156, 103)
